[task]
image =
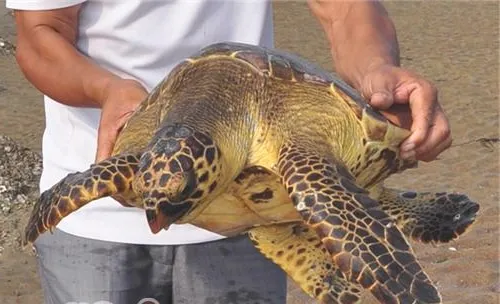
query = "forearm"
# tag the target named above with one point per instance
(49, 60)
(361, 36)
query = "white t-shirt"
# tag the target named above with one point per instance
(142, 40)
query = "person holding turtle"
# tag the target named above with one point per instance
(95, 61)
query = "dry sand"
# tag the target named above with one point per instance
(455, 44)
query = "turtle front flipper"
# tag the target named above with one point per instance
(360, 238)
(110, 177)
(299, 252)
(429, 217)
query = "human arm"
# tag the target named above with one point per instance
(365, 51)
(47, 55)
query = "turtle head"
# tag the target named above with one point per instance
(175, 176)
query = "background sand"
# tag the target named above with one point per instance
(454, 44)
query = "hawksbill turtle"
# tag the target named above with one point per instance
(243, 139)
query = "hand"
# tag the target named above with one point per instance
(120, 100)
(392, 89)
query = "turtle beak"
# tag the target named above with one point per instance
(165, 214)
(156, 220)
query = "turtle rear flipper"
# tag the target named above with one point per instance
(110, 177)
(298, 250)
(429, 217)
(358, 236)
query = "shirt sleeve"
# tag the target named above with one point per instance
(34, 5)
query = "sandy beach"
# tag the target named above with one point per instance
(455, 44)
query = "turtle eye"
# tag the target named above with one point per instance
(190, 184)
(186, 186)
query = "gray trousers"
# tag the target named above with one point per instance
(230, 271)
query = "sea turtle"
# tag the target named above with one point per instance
(244, 139)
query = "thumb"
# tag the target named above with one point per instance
(377, 88)
(381, 99)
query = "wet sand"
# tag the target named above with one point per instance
(454, 44)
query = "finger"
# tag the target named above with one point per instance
(423, 103)
(401, 95)
(106, 137)
(434, 153)
(439, 139)
(105, 142)
(399, 114)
